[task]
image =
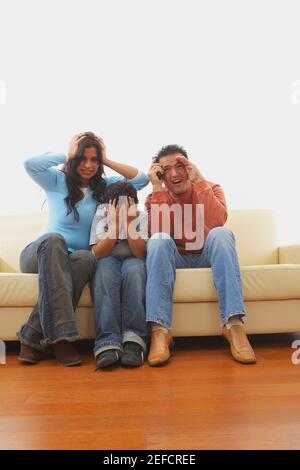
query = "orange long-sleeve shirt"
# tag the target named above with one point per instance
(209, 194)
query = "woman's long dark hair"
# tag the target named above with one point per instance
(97, 183)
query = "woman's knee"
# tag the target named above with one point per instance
(28, 260)
(52, 240)
(28, 263)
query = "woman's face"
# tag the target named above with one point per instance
(89, 165)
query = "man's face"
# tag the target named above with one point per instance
(175, 176)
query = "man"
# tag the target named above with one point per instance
(190, 234)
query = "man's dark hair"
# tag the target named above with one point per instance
(170, 150)
(120, 188)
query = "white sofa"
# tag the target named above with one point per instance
(270, 276)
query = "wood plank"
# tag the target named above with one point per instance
(201, 400)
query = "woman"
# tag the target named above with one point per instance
(61, 254)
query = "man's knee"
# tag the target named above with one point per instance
(160, 241)
(221, 234)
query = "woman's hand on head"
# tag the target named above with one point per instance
(100, 141)
(78, 137)
(74, 145)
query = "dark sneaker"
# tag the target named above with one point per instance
(133, 355)
(107, 358)
(66, 355)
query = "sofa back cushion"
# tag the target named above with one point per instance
(256, 236)
(16, 231)
(255, 233)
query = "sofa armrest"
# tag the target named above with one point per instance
(289, 254)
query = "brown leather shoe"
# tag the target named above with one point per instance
(240, 347)
(66, 355)
(159, 353)
(29, 355)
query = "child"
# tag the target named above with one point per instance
(118, 237)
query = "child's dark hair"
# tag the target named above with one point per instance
(115, 190)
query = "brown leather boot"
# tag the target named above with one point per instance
(240, 347)
(159, 353)
(29, 355)
(66, 355)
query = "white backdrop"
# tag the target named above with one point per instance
(219, 77)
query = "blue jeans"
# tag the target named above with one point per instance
(163, 258)
(118, 291)
(62, 277)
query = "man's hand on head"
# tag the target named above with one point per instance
(194, 174)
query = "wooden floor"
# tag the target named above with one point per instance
(201, 400)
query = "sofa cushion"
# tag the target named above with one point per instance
(269, 282)
(21, 290)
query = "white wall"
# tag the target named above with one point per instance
(220, 78)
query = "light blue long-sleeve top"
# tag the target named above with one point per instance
(53, 181)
